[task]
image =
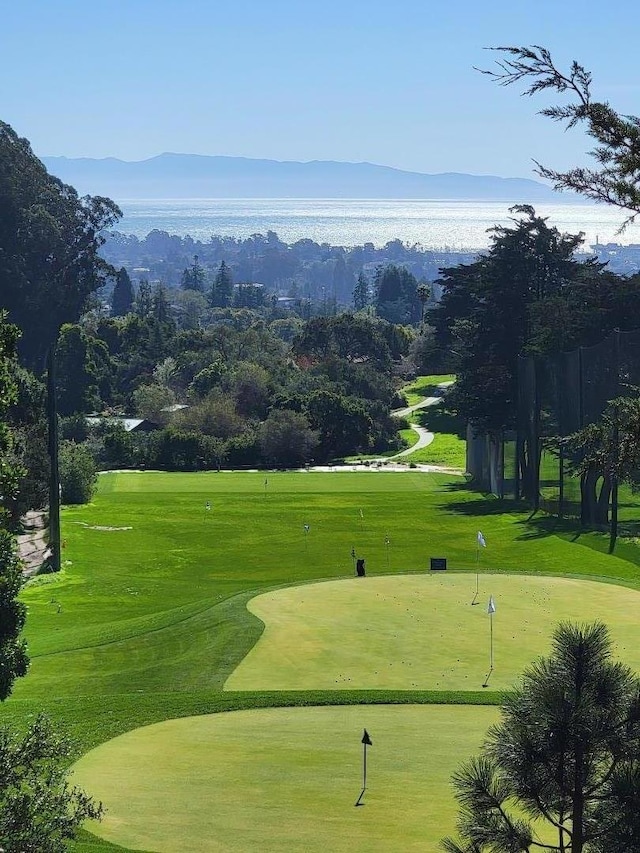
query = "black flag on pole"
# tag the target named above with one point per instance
(366, 739)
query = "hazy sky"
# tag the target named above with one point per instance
(388, 82)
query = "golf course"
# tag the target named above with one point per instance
(216, 667)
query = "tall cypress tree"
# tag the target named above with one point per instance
(122, 299)
(222, 290)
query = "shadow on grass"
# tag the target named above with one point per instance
(438, 419)
(535, 524)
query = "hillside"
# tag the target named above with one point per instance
(196, 176)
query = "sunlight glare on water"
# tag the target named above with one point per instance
(457, 225)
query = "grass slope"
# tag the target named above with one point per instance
(147, 624)
(285, 779)
(420, 631)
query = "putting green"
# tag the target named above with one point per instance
(285, 779)
(421, 632)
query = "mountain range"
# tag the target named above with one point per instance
(173, 176)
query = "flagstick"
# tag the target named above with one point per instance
(475, 597)
(486, 681)
(364, 774)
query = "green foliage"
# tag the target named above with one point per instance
(39, 811)
(361, 294)
(49, 247)
(193, 278)
(396, 295)
(286, 438)
(222, 291)
(484, 315)
(82, 365)
(78, 475)
(150, 400)
(617, 153)
(566, 755)
(122, 297)
(206, 379)
(343, 423)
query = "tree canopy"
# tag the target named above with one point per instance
(49, 242)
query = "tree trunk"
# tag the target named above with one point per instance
(602, 517)
(588, 498)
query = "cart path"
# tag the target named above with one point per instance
(424, 436)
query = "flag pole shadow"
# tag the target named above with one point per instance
(475, 600)
(486, 681)
(359, 802)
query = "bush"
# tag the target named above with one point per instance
(78, 475)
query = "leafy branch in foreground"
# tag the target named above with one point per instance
(39, 811)
(616, 181)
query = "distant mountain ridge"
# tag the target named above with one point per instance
(201, 176)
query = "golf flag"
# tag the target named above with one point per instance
(366, 739)
(492, 606)
(361, 514)
(266, 482)
(207, 506)
(481, 539)
(306, 528)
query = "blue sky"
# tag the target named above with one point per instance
(387, 82)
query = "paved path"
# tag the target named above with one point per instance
(424, 436)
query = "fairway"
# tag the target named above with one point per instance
(149, 621)
(285, 779)
(421, 632)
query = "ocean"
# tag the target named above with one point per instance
(454, 225)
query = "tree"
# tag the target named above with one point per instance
(78, 476)
(361, 293)
(39, 811)
(144, 299)
(222, 291)
(423, 292)
(396, 295)
(484, 315)
(565, 760)
(49, 247)
(122, 298)
(149, 400)
(606, 453)
(193, 277)
(287, 439)
(616, 181)
(81, 362)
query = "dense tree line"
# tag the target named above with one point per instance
(305, 271)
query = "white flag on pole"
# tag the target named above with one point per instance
(481, 539)
(492, 606)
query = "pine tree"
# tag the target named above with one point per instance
(222, 291)
(564, 761)
(193, 277)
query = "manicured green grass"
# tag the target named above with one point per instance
(421, 631)
(286, 779)
(148, 623)
(446, 450)
(424, 386)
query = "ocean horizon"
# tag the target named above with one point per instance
(430, 224)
